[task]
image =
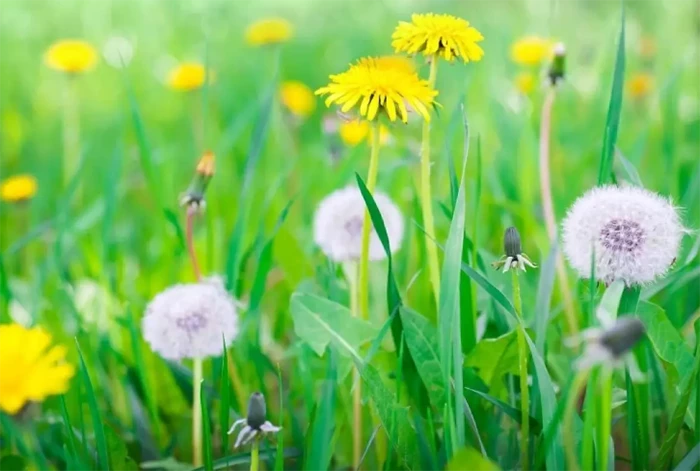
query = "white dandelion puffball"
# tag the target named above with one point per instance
(191, 320)
(338, 225)
(118, 52)
(635, 234)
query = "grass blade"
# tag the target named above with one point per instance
(318, 453)
(224, 398)
(206, 429)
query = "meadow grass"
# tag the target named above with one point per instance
(439, 358)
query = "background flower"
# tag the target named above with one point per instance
(634, 233)
(297, 98)
(338, 225)
(444, 36)
(118, 51)
(354, 132)
(269, 31)
(526, 82)
(191, 320)
(640, 85)
(187, 76)
(71, 56)
(18, 188)
(531, 50)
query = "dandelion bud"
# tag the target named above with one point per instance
(608, 346)
(194, 196)
(256, 410)
(558, 65)
(623, 335)
(255, 424)
(511, 242)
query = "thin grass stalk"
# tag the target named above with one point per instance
(197, 377)
(197, 117)
(367, 224)
(604, 417)
(71, 130)
(522, 366)
(578, 385)
(548, 207)
(350, 269)
(425, 197)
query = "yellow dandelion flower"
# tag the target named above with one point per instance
(531, 50)
(525, 82)
(187, 76)
(444, 36)
(71, 56)
(297, 98)
(30, 368)
(18, 188)
(269, 31)
(399, 62)
(640, 85)
(354, 132)
(378, 87)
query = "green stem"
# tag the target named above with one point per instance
(350, 269)
(425, 195)
(196, 412)
(367, 224)
(254, 456)
(605, 417)
(568, 426)
(697, 398)
(71, 130)
(522, 363)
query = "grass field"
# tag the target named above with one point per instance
(432, 358)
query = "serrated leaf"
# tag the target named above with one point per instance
(493, 358)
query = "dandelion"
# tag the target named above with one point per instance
(640, 85)
(354, 132)
(609, 345)
(269, 31)
(118, 52)
(187, 76)
(193, 198)
(526, 82)
(71, 56)
(338, 225)
(514, 257)
(633, 234)
(397, 62)
(255, 425)
(437, 35)
(297, 98)
(18, 188)
(530, 50)
(191, 320)
(380, 87)
(31, 369)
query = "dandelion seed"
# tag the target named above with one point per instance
(514, 257)
(18, 188)
(191, 320)
(380, 87)
(30, 368)
(71, 56)
(297, 98)
(187, 76)
(255, 425)
(338, 225)
(530, 50)
(443, 36)
(269, 31)
(635, 234)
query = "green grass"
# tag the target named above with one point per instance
(440, 385)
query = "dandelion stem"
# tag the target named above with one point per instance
(604, 404)
(367, 224)
(568, 427)
(196, 412)
(189, 239)
(71, 130)
(350, 269)
(425, 195)
(254, 456)
(522, 363)
(548, 208)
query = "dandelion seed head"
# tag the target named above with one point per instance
(634, 233)
(339, 220)
(191, 320)
(118, 52)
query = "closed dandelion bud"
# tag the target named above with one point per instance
(512, 242)
(622, 336)
(255, 424)
(256, 410)
(194, 196)
(558, 65)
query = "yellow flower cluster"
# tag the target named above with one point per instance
(30, 368)
(18, 188)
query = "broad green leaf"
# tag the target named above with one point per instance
(471, 459)
(421, 338)
(493, 358)
(319, 322)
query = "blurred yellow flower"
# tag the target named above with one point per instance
(647, 47)
(531, 50)
(380, 87)
(71, 56)
(354, 132)
(268, 31)
(18, 188)
(30, 368)
(297, 98)
(525, 82)
(640, 85)
(438, 35)
(187, 76)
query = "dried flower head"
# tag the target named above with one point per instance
(71, 56)
(297, 98)
(514, 256)
(191, 320)
(609, 345)
(338, 225)
(269, 31)
(443, 36)
(18, 188)
(193, 198)
(256, 423)
(530, 50)
(633, 233)
(30, 368)
(380, 87)
(187, 76)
